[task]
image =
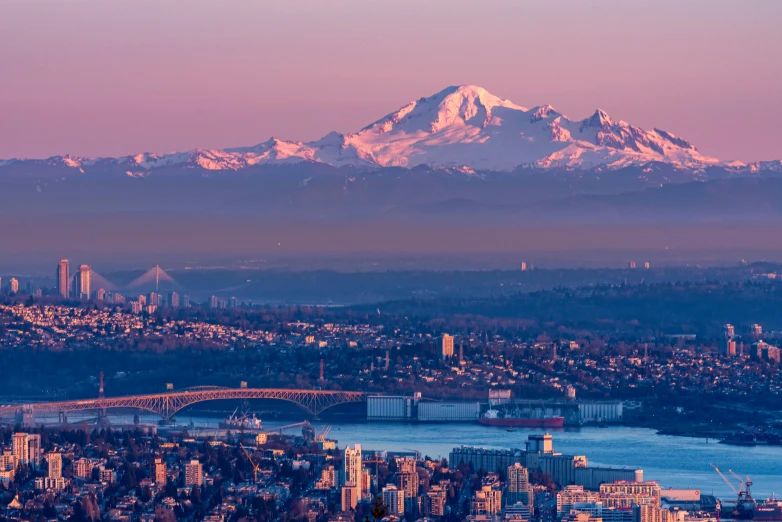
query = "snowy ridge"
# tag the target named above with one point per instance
(463, 127)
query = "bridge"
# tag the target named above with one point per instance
(167, 404)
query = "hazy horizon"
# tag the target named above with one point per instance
(109, 78)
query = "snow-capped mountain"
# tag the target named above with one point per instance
(461, 126)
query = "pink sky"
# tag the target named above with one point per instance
(98, 77)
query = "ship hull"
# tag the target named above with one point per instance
(548, 422)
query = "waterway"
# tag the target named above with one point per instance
(679, 462)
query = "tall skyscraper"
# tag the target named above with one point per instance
(173, 300)
(13, 286)
(63, 279)
(82, 282)
(21, 448)
(352, 475)
(447, 346)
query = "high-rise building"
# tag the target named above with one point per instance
(194, 474)
(486, 501)
(54, 461)
(349, 496)
(647, 265)
(173, 300)
(394, 500)
(233, 302)
(631, 265)
(730, 331)
(434, 502)
(21, 448)
(13, 286)
(730, 347)
(155, 298)
(34, 449)
(523, 266)
(214, 302)
(352, 474)
(186, 301)
(160, 472)
(447, 346)
(519, 488)
(100, 295)
(82, 282)
(756, 330)
(63, 279)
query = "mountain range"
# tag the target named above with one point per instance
(462, 170)
(461, 127)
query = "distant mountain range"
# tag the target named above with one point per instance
(463, 128)
(462, 170)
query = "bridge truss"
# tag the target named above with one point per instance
(167, 404)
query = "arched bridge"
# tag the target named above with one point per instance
(167, 404)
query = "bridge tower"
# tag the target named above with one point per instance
(103, 418)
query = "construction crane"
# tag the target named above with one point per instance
(256, 467)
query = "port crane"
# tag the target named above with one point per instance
(320, 437)
(255, 466)
(745, 504)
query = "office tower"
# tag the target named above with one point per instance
(160, 472)
(63, 279)
(519, 488)
(447, 346)
(173, 300)
(647, 265)
(194, 474)
(82, 282)
(13, 286)
(631, 265)
(214, 302)
(21, 448)
(142, 301)
(34, 449)
(394, 500)
(186, 301)
(100, 295)
(523, 266)
(153, 298)
(352, 475)
(233, 303)
(54, 460)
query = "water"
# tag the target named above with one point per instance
(678, 462)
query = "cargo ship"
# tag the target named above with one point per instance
(496, 418)
(747, 508)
